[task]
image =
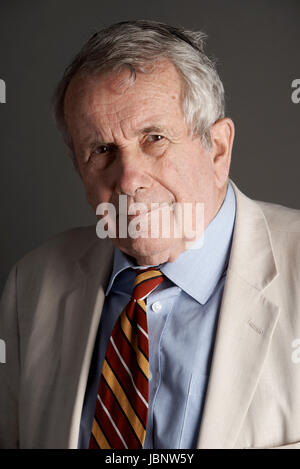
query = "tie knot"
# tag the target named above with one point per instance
(145, 282)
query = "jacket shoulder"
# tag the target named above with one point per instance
(57, 254)
(70, 243)
(281, 218)
(284, 231)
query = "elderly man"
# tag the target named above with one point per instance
(147, 341)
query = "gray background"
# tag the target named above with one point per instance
(257, 46)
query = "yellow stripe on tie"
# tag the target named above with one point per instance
(123, 401)
(146, 276)
(142, 304)
(99, 436)
(131, 336)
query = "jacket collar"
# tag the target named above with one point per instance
(252, 255)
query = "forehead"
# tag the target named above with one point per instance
(111, 96)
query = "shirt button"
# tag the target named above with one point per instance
(156, 307)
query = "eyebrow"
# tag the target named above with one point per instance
(98, 140)
(152, 128)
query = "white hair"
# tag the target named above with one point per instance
(137, 45)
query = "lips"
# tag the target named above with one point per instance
(140, 213)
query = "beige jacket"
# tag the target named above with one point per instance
(50, 311)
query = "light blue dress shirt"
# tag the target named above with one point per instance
(182, 316)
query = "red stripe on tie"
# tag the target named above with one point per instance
(127, 351)
(136, 315)
(93, 444)
(122, 376)
(146, 287)
(122, 422)
(108, 428)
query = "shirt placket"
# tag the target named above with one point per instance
(158, 309)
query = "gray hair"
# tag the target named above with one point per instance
(138, 44)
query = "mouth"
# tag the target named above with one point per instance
(146, 213)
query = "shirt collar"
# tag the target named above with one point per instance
(196, 271)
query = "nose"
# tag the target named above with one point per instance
(133, 172)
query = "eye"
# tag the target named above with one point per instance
(154, 138)
(101, 149)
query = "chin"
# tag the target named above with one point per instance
(146, 251)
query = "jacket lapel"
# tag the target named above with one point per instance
(246, 323)
(82, 312)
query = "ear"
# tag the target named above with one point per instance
(222, 135)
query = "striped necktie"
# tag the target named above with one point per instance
(122, 401)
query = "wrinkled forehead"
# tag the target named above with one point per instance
(160, 81)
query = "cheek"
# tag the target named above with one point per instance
(180, 174)
(194, 178)
(96, 189)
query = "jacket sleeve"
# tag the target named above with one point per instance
(9, 364)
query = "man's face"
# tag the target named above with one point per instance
(133, 140)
